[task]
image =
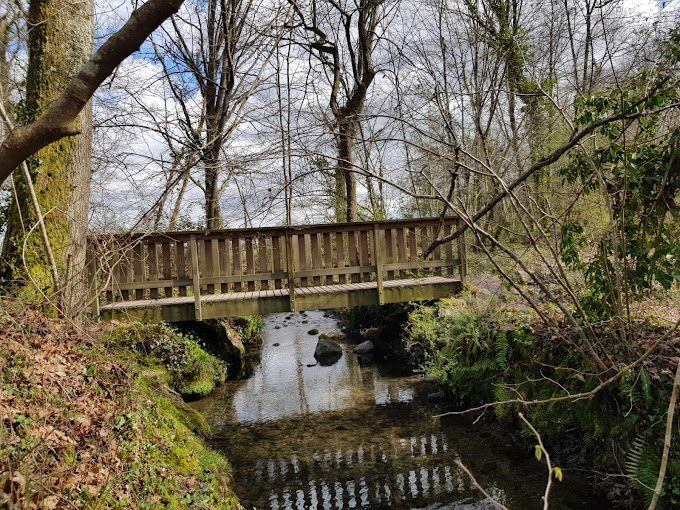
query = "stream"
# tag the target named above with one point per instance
(304, 436)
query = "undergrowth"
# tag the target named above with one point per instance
(194, 372)
(86, 423)
(485, 354)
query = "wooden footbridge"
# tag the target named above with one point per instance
(183, 276)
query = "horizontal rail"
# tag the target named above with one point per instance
(185, 235)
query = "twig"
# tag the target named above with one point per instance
(479, 487)
(548, 484)
(667, 439)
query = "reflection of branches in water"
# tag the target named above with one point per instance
(304, 405)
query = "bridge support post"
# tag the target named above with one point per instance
(378, 248)
(196, 279)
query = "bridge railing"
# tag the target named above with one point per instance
(177, 264)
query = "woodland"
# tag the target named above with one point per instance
(552, 129)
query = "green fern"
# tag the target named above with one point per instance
(643, 465)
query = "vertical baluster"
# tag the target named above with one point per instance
(138, 267)
(93, 276)
(448, 253)
(152, 264)
(302, 258)
(412, 247)
(340, 256)
(316, 257)
(223, 250)
(166, 254)
(389, 251)
(462, 255)
(401, 250)
(263, 260)
(353, 251)
(276, 259)
(180, 247)
(328, 256)
(206, 258)
(364, 254)
(237, 267)
(196, 278)
(437, 253)
(378, 258)
(250, 262)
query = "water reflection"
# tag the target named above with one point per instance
(289, 382)
(348, 436)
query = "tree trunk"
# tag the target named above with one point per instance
(213, 212)
(345, 141)
(60, 42)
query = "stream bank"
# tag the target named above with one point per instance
(481, 348)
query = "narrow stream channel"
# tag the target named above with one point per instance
(304, 436)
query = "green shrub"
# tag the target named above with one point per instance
(479, 358)
(193, 372)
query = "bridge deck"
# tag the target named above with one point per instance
(182, 276)
(262, 302)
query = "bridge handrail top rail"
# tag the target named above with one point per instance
(178, 235)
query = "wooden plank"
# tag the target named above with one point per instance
(363, 254)
(276, 259)
(312, 273)
(389, 251)
(250, 262)
(166, 255)
(379, 256)
(340, 255)
(181, 266)
(196, 278)
(328, 256)
(413, 267)
(237, 268)
(316, 257)
(352, 249)
(263, 260)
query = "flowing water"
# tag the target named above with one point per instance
(304, 436)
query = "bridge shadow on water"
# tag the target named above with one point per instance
(302, 436)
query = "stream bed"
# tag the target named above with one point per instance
(303, 436)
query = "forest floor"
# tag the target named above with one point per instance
(84, 425)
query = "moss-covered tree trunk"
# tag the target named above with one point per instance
(60, 41)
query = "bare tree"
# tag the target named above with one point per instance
(346, 50)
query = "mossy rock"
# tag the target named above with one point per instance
(336, 337)
(313, 332)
